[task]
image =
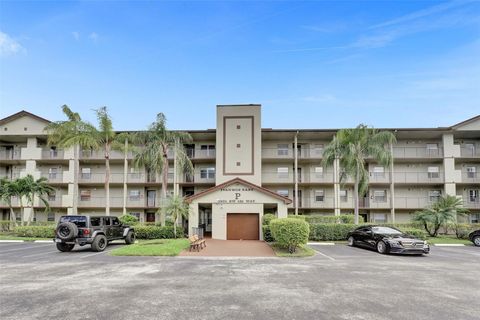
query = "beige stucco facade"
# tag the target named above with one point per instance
(427, 162)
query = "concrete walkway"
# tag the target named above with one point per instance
(233, 248)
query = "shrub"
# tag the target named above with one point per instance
(35, 231)
(330, 231)
(267, 218)
(418, 233)
(289, 233)
(128, 219)
(267, 234)
(343, 218)
(157, 232)
(293, 216)
(462, 230)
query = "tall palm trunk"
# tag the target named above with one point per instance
(107, 180)
(22, 212)
(13, 217)
(356, 191)
(164, 187)
(76, 173)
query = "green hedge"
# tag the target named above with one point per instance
(267, 218)
(128, 219)
(7, 225)
(267, 234)
(157, 232)
(293, 216)
(343, 218)
(35, 231)
(289, 233)
(419, 233)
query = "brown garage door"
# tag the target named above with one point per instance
(242, 226)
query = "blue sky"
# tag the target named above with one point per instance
(311, 64)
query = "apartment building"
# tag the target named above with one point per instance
(243, 171)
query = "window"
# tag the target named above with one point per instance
(107, 221)
(207, 173)
(135, 214)
(282, 172)
(470, 149)
(238, 163)
(318, 172)
(85, 195)
(53, 152)
(52, 173)
(51, 216)
(134, 194)
(86, 173)
(283, 192)
(433, 172)
(475, 218)
(209, 149)
(282, 149)
(115, 221)
(434, 195)
(380, 196)
(471, 172)
(380, 218)
(319, 195)
(95, 221)
(318, 149)
(473, 195)
(343, 195)
(379, 172)
(52, 196)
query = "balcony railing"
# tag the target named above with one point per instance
(53, 177)
(471, 203)
(418, 177)
(469, 152)
(100, 155)
(303, 153)
(10, 154)
(470, 177)
(413, 202)
(99, 178)
(12, 175)
(52, 154)
(99, 202)
(417, 152)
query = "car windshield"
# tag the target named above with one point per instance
(80, 221)
(385, 230)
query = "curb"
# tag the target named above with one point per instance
(43, 241)
(11, 241)
(449, 245)
(321, 243)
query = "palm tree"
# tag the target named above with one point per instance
(156, 142)
(352, 147)
(59, 134)
(36, 188)
(177, 207)
(76, 132)
(445, 210)
(8, 190)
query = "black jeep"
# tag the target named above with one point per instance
(95, 230)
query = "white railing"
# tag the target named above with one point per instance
(303, 153)
(52, 154)
(469, 152)
(53, 177)
(99, 178)
(470, 177)
(10, 154)
(418, 177)
(417, 152)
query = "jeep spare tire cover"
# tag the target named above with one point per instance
(67, 230)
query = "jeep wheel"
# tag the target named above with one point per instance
(130, 238)
(99, 243)
(67, 230)
(65, 247)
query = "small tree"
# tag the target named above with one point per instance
(177, 207)
(445, 210)
(36, 188)
(8, 190)
(128, 219)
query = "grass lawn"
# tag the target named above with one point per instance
(447, 240)
(159, 247)
(11, 237)
(303, 251)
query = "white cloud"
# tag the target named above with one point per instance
(9, 46)
(76, 35)
(93, 36)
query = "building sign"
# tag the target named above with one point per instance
(236, 195)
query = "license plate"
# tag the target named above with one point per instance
(58, 240)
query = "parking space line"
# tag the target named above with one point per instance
(38, 254)
(31, 247)
(324, 255)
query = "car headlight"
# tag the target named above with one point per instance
(395, 243)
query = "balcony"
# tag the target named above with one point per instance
(10, 154)
(413, 202)
(99, 202)
(417, 152)
(379, 177)
(307, 202)
(50, 154)
(471, 203)
(12, 176)
(418, 177)
(52, 177)
(100, 155)
(303, 153)
(99, 178)
(470, 177)
(275, 177)
(469, 152)
(55, 201)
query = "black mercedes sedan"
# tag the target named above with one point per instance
(387, 240)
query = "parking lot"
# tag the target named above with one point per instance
(38, 282)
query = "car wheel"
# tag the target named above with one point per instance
(130, 238)
(99, 243)
(351, 241)
(381, 247)
(476, 241)
(65, 247)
